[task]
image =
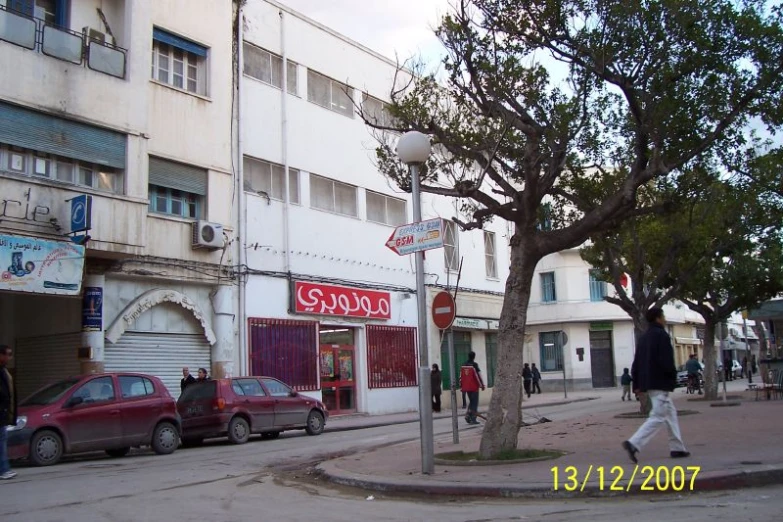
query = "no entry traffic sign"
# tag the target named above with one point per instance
(444, 310)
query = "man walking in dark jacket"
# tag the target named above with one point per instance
(7, 411)
(654, 373)
(536, 379)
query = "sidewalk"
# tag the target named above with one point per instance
(734, 447)
(363, 421)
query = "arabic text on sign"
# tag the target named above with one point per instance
(342, 301)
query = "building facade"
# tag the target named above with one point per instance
(116, 176)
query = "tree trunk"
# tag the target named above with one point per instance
(504, 420)
(710, 362)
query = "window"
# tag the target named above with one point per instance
(248, 387)
(286, 350)
(132, 386)
(492, 357)
(262, 176)
(332, 196)
(176, 189)
(597, 287)
(551, 351)
(490, 260)
(276, 388)
(53, 12)
(179, 62)
(462, 347)
(174, 202)
(451, 246)
(548, 293)
(386, 209)
(267, 67)
(96, 390)
(376, 111)
(545, 217)
(391, 356)
(329, 93)
(15, 160)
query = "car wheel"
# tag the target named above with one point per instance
(165, 439)
(315, 423)
(238, 430)
(192, 442)
(270, 435)
(118, 452)
(46, 448)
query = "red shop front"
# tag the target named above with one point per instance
(325, 354)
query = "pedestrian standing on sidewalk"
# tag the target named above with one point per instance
(626, 381)
(527, 378)
(7, 411)
(536, 379)
(187, 378)
(470, 380)
(654, 373)
(436, 388)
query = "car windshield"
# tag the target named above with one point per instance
(199, 391)
(50, 394)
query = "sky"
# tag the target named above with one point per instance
(398, 28)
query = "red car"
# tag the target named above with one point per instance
(240, 406)
(111, 412)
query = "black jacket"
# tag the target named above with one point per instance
(437, 386)
(8, 402)
(187, 380)
(536, 374)
(653, 364)
(527, 375)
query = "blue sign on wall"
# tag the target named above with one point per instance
(92, 309)
(81, 213)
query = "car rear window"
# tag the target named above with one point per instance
(199, 391)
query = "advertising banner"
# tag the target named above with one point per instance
(40, 266)
(92, 309)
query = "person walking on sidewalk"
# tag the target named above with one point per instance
(654, 373)
(436, 388)
(626, 381)
(693, 368)
(7, 411)
(536, 379)
(470, 379)
(527, 378)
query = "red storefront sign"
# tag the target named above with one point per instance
(320, 299)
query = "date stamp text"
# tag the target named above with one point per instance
(659, 479)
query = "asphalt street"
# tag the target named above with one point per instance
(270, 480)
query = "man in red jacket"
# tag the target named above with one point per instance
(470, 378)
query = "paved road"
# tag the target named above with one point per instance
(222, 482)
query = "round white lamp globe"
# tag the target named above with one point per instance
(414, 147)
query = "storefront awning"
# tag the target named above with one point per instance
(687, 340)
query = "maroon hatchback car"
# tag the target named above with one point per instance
(109, 412)
(240, 406)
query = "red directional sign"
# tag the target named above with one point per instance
(444, 310)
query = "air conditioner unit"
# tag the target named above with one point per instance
(91, 34)
(207, 235)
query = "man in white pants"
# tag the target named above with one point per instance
(654, 373)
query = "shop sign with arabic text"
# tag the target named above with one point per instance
(320, 299)
(29, 264)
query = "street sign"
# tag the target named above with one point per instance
(416, 237)
(444, 310)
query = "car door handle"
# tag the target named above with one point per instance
(114, 412)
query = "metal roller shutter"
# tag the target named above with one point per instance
(160, 354)
(43, 360)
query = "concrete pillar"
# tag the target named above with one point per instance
(223, 326)
(93, 324)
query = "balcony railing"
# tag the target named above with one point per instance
(77, 48)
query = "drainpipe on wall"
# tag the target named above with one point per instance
(241, 207)
(284, 142)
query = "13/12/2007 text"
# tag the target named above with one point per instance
(644, 478)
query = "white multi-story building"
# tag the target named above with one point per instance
(115, 143)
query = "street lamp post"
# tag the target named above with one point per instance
(413, 149)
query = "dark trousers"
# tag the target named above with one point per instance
(464, 400)
(436, 402)
(473, 402)
(536, 386)
(527, 383)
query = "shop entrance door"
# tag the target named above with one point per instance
(338, 384)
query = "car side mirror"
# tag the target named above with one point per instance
(294, 394)
(74, 401)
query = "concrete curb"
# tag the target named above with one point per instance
(381, 424)
(716, 481)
